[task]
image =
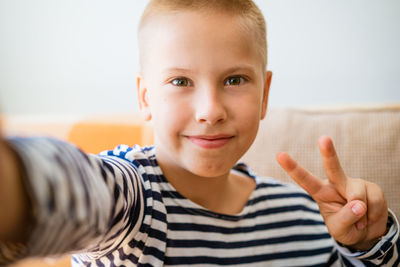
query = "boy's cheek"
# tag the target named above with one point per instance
(169, 117)
(249, 109)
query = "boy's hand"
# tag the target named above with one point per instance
(355, 211)
(14, 202)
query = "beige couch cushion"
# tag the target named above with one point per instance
(367, 141)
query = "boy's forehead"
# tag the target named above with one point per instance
(190, 21)
(186, 37)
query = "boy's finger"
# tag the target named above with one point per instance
(377, 206)
(347, 217)
(356, 190)
(331, 163)
(300, 175)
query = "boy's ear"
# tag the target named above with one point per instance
(267, 85)
(143, 97)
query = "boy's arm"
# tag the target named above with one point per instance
(80, 203)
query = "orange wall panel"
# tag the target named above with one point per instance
(93, 137)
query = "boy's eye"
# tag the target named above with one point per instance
(181, 82)
(235, 80)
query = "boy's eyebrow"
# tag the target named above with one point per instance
(238, 68)
(176, 69)
(242, 67)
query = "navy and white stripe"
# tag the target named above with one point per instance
(117, 209)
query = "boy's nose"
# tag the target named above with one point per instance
(210, 108)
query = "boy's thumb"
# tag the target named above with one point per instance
(351, 213)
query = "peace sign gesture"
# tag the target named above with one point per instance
(355, 211)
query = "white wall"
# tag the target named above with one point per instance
(334, 51)
(80, 56)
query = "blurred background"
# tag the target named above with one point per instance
(80, 56)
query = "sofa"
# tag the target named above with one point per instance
(367, 140)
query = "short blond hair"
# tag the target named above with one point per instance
(245, 9)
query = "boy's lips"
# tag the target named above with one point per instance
(210, 141)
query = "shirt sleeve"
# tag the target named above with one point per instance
(81, 203)
(384, 253)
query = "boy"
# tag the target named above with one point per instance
(185, 201)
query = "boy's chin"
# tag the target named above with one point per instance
(210, 169)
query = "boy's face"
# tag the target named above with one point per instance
(204, 88)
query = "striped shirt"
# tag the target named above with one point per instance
(117, 209)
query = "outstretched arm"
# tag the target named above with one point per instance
(80, 203)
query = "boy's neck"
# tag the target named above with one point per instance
(225, 194)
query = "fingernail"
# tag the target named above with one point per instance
(357, 209)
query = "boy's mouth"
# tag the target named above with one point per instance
(210, 141)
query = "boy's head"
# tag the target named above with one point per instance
(203, 82)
